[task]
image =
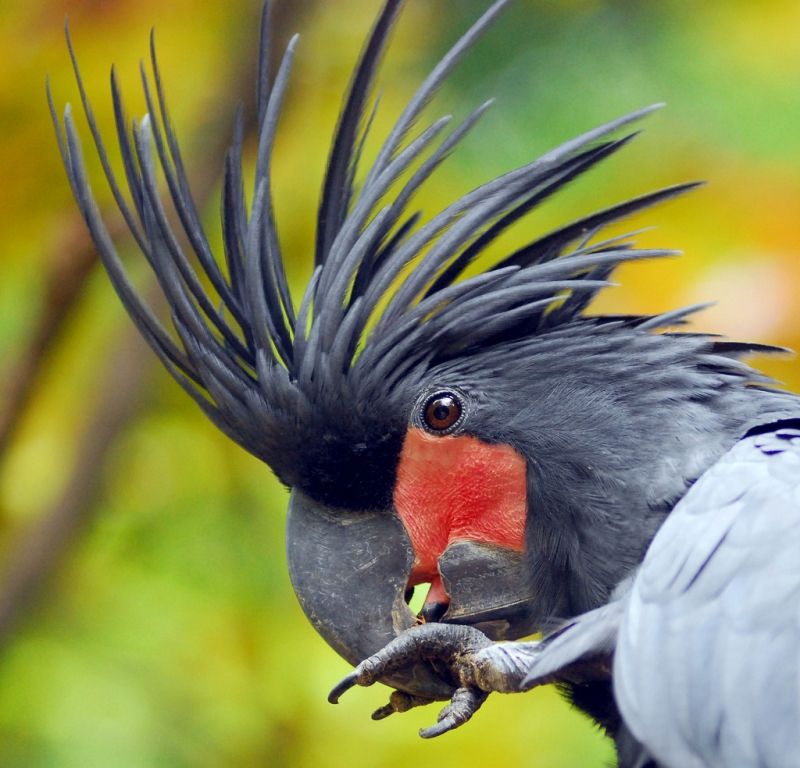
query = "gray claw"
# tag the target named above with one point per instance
(381, 713)
(343, 686)
(464, 704)
(443, 726)
(450, 644)
(400, 701)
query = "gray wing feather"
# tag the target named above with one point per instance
(591, 636)
(706, 671)
(578, 651)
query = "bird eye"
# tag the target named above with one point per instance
(441, 411)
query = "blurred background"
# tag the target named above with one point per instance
(146, 617)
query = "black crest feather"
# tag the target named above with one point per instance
(256, 364)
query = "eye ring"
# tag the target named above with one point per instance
(442, 412)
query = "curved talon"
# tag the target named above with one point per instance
(450, 644)
(400, 701)
(443, 726)
(464, 704)
(343, 686)
(381, 713)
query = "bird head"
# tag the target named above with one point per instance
(476, 431)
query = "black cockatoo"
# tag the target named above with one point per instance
(477, 431)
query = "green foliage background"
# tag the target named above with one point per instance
(166, 633)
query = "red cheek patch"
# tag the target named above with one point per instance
(458, 487)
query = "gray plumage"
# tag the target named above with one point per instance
(706, 668)
(707, 671)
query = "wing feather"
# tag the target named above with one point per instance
(706, 669)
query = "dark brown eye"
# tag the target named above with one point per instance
(441, 411)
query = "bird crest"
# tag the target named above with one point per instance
(389, 298)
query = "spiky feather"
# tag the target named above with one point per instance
(257, 366)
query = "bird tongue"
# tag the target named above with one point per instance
(436, 601)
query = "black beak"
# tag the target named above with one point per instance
(489, 588)
(350, 573)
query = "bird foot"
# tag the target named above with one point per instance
(450, 647)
